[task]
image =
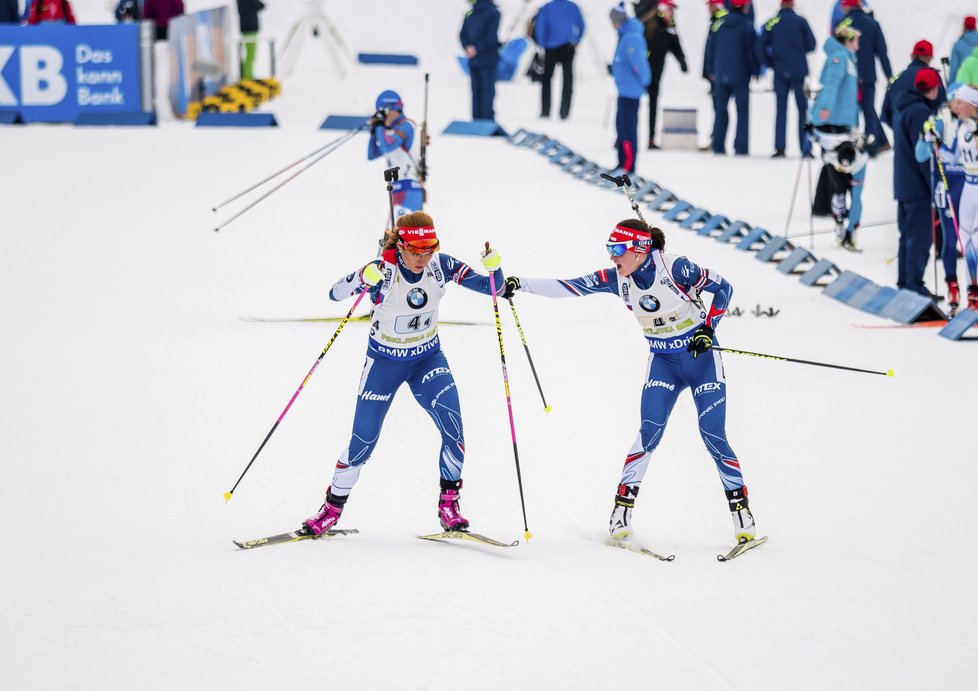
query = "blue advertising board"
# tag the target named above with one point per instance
(56, 72)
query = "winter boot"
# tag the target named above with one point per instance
(620, 525)
(973, 297)
(953, 296)
(743, 519)
(329, 514)
(448, 511)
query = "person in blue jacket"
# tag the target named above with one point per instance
(836, 106)
(785, 41)
(732, 58)
(872, 46)
(9, 12)
(911, 181)
(963, 47)
(632, 76)
(717, 11)
(480, 39)
(558, 29)
(921, 57)
(392, 137)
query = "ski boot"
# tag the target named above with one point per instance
(953, 297)
(328, 516)
(620, 525)
(973, 297)
(743, 519)
(448, 511)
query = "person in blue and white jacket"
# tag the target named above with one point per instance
(392, 136)
(405, 288)
(662, 292)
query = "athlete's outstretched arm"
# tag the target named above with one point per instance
(601, 281)
(458, 271)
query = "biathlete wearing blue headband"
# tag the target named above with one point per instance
(662, 291)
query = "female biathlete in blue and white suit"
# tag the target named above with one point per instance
(661, 290)
(406, 285)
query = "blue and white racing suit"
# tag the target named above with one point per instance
(663, 296)
(404, 348)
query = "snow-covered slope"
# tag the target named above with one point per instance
(133, 394)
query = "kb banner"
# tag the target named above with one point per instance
(54, 73)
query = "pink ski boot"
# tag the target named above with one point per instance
(328, 516)
(448, 511)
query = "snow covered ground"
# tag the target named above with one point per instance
(133, 394)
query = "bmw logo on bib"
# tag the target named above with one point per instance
(417, 298)
(649, 303)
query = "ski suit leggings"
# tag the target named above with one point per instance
(968, 225)
(944, 200)
(667, 375)
(433, 386)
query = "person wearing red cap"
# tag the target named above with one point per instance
(786, 40)
(920, 57)
(911, 181)
(406, 286)
(963, 47)
(872, 46)
(662, 291)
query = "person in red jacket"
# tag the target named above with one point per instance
(161, 12)
(58, 11)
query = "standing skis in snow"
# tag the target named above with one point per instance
(661, 290)
(406, 285)
(392, 136)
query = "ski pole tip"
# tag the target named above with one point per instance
(890, 373)
(527, 534)
(227, 497)
(547, 409)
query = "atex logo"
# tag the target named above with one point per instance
(712, 386)
(434, 373)
(371, 396)
(664, 385)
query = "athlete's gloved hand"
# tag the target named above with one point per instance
(371, 274)
(491, 260)
(931, 133)
(970, 126)
(512, 285)
(378, 118)
(702, 341)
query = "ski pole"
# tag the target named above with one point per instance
(277, 187)
(888, 373)
(933, 225)
(546, 408)
(227, 495)
(625, 184)
(333, 145)
(509, 400)
(794, 195)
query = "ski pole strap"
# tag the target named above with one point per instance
(888, 373)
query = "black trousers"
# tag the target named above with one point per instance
(564, 56)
